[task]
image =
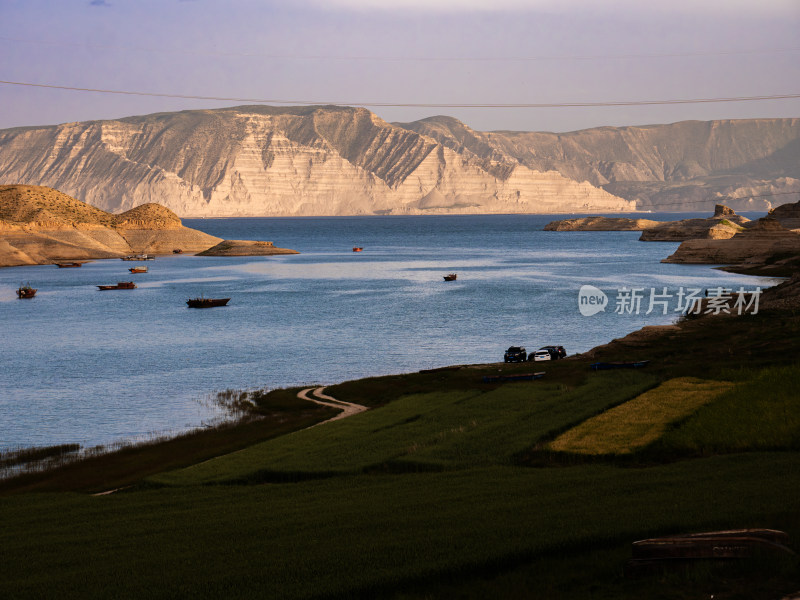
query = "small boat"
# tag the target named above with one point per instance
(26, 291)
(139, 257)
(69, 265)
(177, 251)
(450, 277)
(678, 551)
(207, 302)
(121, 285)
(138, 269)
(604, 366)
(357, 248)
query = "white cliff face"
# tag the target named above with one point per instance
(257, 161)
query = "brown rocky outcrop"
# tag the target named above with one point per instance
(601, 224)
(40, 225)
(723, 225)
(788, 215)
(766, 247)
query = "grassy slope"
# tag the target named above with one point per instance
(475, 519)
(370, 531)
(423, 431)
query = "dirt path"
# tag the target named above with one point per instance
(347, 408)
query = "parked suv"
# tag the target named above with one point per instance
(515, 354)
(556, 352)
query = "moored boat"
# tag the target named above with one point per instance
(177, 251)
(121, 285)
(69, 265)
(451, 277)
(207, 302)
(26, 291)
(138, 269)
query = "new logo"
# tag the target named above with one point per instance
(591, 300)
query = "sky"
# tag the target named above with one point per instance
(403, 59)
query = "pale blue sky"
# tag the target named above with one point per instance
(403, 52)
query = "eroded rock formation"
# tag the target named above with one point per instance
(259, 161)
(39, 225)
(723, 225)
(766, 247)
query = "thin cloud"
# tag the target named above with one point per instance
(99, 3)
(732, 7)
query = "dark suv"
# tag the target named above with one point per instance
(515, 354)
(556, 352)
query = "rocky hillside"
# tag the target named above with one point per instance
(691, 165)
(767, 246)
(260, 160)
(39, 225)
(257, 160)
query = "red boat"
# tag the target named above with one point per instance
(207, 302)
(26, 291)
(138, 269)
(450, 277)
(357, 248)
(121, 285)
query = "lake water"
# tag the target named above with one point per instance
(80, 365)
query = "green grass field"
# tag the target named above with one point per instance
(446, 488)
(641, 421)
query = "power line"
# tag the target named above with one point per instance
(413, 104)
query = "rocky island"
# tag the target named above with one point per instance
(601, 224)
(40, 225)
(768, 246)
(245, 248)
(723, 225)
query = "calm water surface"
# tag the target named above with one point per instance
(80, 365)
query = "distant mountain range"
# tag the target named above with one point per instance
(328, 160)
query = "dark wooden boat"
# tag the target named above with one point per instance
(26, 291)
(69, 265)
(604, 366)
(121, 285)
(207, 302)
(357, 248)
(659, 554)
(138, 269)
(451, 277)
(177, 251)
(517, 377)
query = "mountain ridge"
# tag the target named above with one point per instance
(333, 160)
